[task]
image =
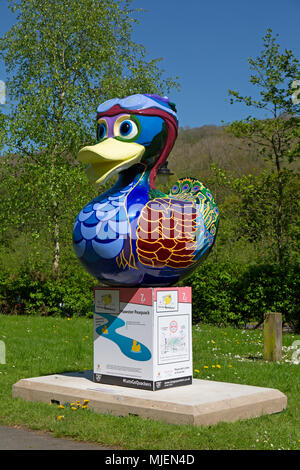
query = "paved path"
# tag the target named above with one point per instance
(23, 439)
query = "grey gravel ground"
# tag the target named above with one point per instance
(23, 439)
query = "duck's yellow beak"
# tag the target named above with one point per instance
(109, 157)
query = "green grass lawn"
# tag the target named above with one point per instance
(45, 345)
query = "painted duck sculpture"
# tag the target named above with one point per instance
(132, 234)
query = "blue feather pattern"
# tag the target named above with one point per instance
(102, 227)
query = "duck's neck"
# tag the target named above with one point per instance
(138, 174)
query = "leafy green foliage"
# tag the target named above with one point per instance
(35, 294)
(273, 72)
(249, 212)
(63, 58)
(239, 294)
(277, 136)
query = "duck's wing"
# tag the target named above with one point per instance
(101, 228)
(166, 233)
(177, 230)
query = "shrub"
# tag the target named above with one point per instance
(228, 293)
(31, 293)
(264, 288)
(239, 294)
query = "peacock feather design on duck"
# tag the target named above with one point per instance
(133, 234)
(182, 226)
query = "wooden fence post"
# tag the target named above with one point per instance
(2, 352)
(272, 336)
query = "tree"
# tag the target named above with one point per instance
(64, 57)
(277, 136)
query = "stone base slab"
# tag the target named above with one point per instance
(203, 403)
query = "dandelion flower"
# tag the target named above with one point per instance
(60, 406)
(196, 370)
(218, 366)
(60, 417)
(73, 408)
(205, 367)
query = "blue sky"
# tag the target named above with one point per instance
(206, 44)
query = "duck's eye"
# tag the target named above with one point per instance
(125, 129)
(128, 129)
(101, 130)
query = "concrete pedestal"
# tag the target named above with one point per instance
(203, 402)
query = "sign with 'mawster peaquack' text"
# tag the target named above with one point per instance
(143, 337)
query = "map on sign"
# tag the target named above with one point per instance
(173, 338)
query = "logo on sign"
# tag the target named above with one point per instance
(167, 301)
(107, 301)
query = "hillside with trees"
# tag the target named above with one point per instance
(197, 149)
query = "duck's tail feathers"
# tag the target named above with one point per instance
(191, 189)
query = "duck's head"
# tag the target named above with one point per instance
(138, 129)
